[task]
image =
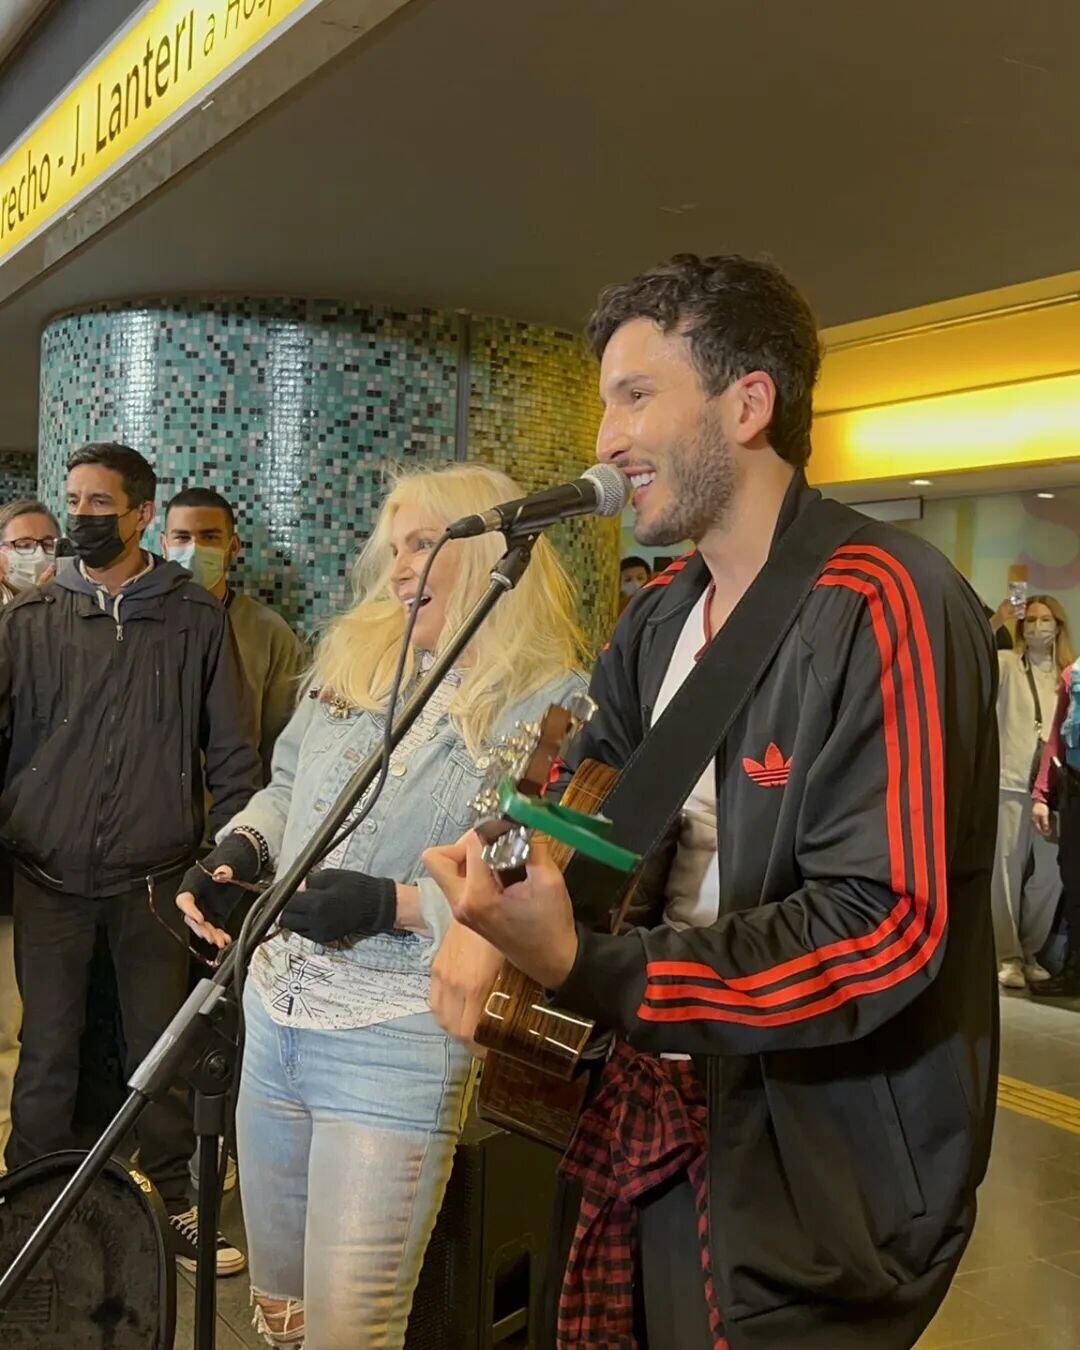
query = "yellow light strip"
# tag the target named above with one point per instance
(167, 57)
(1032, 422)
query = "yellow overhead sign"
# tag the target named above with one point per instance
(169, 55)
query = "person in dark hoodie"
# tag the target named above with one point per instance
(119, 680)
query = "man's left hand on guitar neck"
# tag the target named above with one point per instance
(531, 923)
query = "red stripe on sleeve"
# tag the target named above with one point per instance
(928, 893)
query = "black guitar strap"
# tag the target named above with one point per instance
(661, 773)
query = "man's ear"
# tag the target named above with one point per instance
(754, 396)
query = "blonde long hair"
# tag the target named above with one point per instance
(1064, 655)
(530, 638)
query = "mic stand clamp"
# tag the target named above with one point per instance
(199, 1044)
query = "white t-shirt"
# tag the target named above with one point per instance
(693, 886)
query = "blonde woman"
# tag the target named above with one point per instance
(1026, 884)
(351, 1098)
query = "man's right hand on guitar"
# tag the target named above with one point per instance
(462, 975)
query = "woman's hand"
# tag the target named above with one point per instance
(206, 898)
(1042, 820)
(197, 921)
(334, 903)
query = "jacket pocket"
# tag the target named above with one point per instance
(327, 731)
(846, 1157)
(456, 788)
(899, 1150)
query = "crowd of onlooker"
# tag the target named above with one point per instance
(1036, 882)
(140, 698)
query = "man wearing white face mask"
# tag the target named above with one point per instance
(1026, 883)
(28, 535)
(200, 534)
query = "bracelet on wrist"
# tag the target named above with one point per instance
(258, 843)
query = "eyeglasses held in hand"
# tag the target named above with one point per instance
(205, 953)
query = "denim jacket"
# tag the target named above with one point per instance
(426, 802)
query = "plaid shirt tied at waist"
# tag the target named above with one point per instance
(645, 1124)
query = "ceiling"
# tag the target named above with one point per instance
(512, 157)
(1027, 478)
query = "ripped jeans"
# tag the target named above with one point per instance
(346, 1140)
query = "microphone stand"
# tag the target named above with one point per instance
(199, 1044)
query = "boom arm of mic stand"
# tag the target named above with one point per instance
(175, 1048)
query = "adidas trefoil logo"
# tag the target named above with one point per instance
(774, 772)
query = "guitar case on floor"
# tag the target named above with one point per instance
(108, 1281)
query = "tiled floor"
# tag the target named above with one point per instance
(1019, 1285)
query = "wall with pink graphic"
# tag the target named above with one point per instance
(985, 536)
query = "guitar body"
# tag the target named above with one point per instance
(533, 1081)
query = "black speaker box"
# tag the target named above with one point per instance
(480, 1284)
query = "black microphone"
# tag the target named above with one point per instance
(602, 490)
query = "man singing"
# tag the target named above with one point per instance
(785, 1142)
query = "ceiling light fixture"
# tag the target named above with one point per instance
(921, 482)
(1046, 496)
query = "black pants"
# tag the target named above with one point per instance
(54, 944)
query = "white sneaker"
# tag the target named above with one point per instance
(1011, 974)
(1035, 974)
(230, 1163)
(185, 1233)
(230, 1172)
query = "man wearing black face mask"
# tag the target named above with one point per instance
(119, 680)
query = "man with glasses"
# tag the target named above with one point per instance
(119, 682)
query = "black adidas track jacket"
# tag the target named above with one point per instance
(844, 1001)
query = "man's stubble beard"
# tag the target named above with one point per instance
(704, 481)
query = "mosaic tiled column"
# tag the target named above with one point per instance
(292, 408)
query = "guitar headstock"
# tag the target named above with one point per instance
(526, 758)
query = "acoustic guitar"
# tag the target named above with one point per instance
(535, 1073)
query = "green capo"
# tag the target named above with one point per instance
(585, 834)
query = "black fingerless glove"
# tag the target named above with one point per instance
(335, 903)
(218, 899)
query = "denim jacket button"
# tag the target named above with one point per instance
(369, 827)
(397, 770)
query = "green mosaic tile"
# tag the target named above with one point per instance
(292, 408)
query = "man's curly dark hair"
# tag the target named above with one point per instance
(738, 315)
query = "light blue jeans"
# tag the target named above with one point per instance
(346, 1140)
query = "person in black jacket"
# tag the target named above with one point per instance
(119, 679)
(802, 1173)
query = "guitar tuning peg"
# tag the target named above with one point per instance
(580, 707)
